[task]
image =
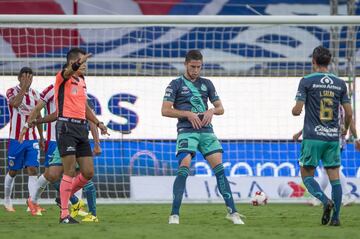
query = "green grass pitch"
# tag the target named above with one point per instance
(274, 221)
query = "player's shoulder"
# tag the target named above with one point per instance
(176, 82)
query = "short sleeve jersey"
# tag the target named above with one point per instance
(323, 93)
(70, 96)
(191, 96)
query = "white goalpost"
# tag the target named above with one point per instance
(255, 63)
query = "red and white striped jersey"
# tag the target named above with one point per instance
(19, 115)
(48, 96)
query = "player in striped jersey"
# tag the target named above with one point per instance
(22, 99)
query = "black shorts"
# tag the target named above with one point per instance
(73, 139)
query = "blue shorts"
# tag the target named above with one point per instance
(23, 155)
(50, 148)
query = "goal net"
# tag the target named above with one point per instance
(255, 67)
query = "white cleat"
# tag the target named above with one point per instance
(235, 218)
(174, 219)
(314, 202)
(348, 199)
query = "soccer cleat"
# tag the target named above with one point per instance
(348, 199)
(68, 220)
(74, 210)
(33, 208)
(9, 208)
(235, 218)
(83, 213)
(326, 213)
(90, 218)
(174, 219)
(334, 222)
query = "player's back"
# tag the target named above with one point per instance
(323, 94)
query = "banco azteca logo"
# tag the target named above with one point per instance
(326, 80)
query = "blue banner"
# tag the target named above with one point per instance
(241, 157)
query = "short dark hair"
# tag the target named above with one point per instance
(25, 69)
(193, 55)
(74, 53)
(322, 56)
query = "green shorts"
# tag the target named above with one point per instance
(56, 159)
(312, 151)
(206, 143)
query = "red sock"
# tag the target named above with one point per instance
(78, 183)
(65, 192)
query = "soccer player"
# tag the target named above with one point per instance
(71, 128)
(186, 99)
(53, 165)
(323, 179)
(322, 93)
(22, 99)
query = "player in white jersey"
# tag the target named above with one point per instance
(22, 99)
(348, 198)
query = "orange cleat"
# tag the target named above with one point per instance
(33, 208)
(9, 208)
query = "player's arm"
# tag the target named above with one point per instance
(297, 135)
(95, 134)
(41, 132)
(168, 110)
(74, 66)
(348, 116)
(48, 118)
(90, 116)
(297, 109)
(217, 110)
(33, 116)
(353, 129)
(17, 99)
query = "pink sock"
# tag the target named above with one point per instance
(78, 183)
(65, 192)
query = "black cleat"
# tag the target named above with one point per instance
(334, 222)
(58, 202)
(68, 220)
(326, 213)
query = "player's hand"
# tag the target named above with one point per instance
(194, 120)
(207, 117)
(84, 58)
(296, 136)
(27, 80)
(42, 144)
(22, 134)
(357, 145)
(97, 149)
(103, 129)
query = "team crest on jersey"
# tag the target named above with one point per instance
(11, 163)
(326, 80)
(203, 87)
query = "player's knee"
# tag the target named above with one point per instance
(32, 171)
(88, 174)
(184, 159)
(12, 173)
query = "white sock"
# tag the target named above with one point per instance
(8, 188)
(40, 187)
(343, 183)
(32, 186)
(323, 179)
(79, 193)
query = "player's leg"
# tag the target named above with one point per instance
(212, 150)
(332, 163)
(323, 182)
(348, 198)
(43, 181)
(15, 161)
(31, 162)
(186, 146)
(311, 151)
(90, 193)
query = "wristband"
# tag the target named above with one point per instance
(75, 66)
(26, 125)
(97, 125)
